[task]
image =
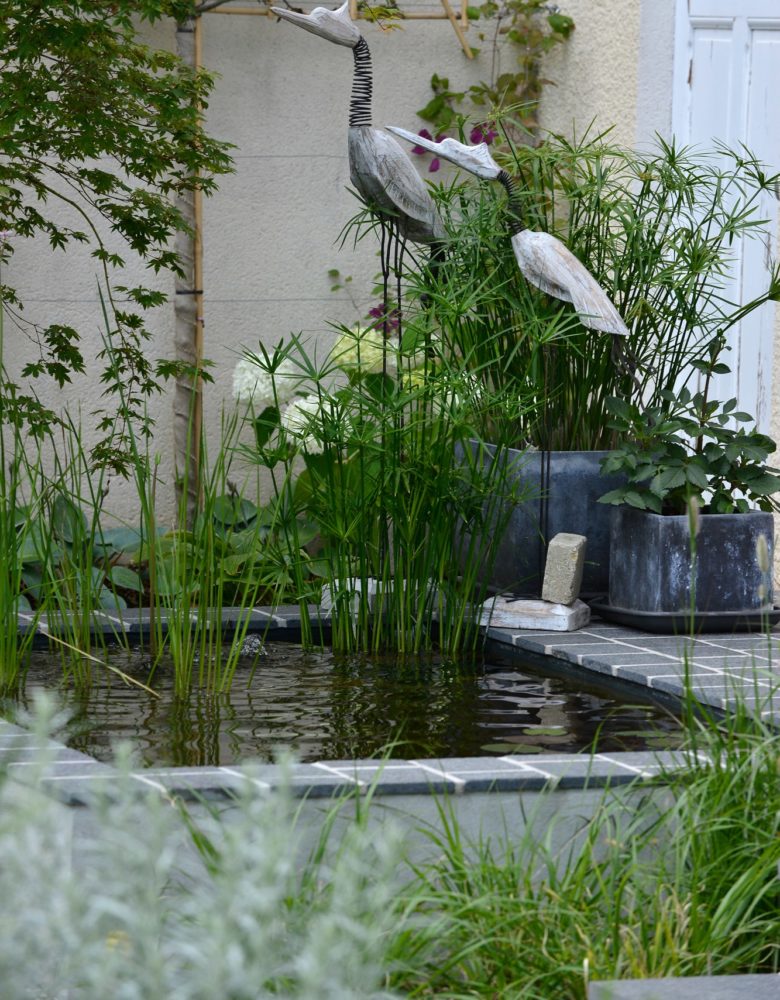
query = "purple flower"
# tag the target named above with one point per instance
(385, 323)
(419, 150)
(483, 133)
(435, 164)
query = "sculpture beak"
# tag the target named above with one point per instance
(476, 159)
(293, 16)
(335, 25)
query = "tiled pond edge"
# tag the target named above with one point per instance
(720, 669)
(76, 778)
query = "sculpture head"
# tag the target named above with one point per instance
(335, 25)
(476, 159)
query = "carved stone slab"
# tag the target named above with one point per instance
(503, 612)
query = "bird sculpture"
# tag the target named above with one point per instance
(544, 260)
(380, 170)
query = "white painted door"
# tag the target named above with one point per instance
(727, 86)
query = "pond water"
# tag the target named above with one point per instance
(326, 706)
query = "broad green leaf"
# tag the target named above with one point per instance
(68, 521)
(613, 497)
(634, 499)
(127, 579)
(265, 425)
(696, 476)
(108, 600)
(118, 539)
(233, 510)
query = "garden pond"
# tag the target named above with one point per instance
(325, 706)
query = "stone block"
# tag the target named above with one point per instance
(503, 612)
(564, 568)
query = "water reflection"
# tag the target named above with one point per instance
(335, 707)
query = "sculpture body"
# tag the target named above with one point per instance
(380, 170)
(549, 265)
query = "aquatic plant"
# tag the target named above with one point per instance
(375, 452)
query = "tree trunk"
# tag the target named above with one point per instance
(187, 336)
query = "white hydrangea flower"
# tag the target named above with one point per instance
(253, 384)
(365, 349)
(303, 420)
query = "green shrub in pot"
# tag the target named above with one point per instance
(692, 529)
(689, 447)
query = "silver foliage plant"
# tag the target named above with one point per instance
(116, 901)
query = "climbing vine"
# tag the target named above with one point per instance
(534, 27)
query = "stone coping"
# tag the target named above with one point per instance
(762, 986)
(720, 669)
(77, 778)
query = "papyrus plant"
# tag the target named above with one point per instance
(658, 230)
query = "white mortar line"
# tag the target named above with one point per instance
(266, 787)
(339, 773)
(629, 767)
(459, 783)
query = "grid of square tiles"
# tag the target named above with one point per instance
(720, 670)
(78, 779)
(136, 623)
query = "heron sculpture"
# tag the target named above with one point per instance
(380, 170)
(543, 259)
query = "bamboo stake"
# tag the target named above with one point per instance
(411, 16)
(457, 28)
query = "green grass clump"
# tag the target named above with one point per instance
(679, 880)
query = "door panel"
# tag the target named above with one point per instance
(727, 82)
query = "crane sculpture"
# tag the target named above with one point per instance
(543, 259)
(380, 170)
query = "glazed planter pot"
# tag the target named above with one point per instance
(563, 489)
(652, 565)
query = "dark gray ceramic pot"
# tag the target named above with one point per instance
(563, 488)
(651, 562)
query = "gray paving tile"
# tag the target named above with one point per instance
(302, 779)
(481, 774)
(36, 754)
(198, 783)
(757, 987)
(27, 770)
(580, 771)
(82, 790)
(613, 663)
(406, 779)
(646, 673)
(625, 655)
(577, 654)
(648, 761)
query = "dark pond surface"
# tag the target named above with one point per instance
(326, 706)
